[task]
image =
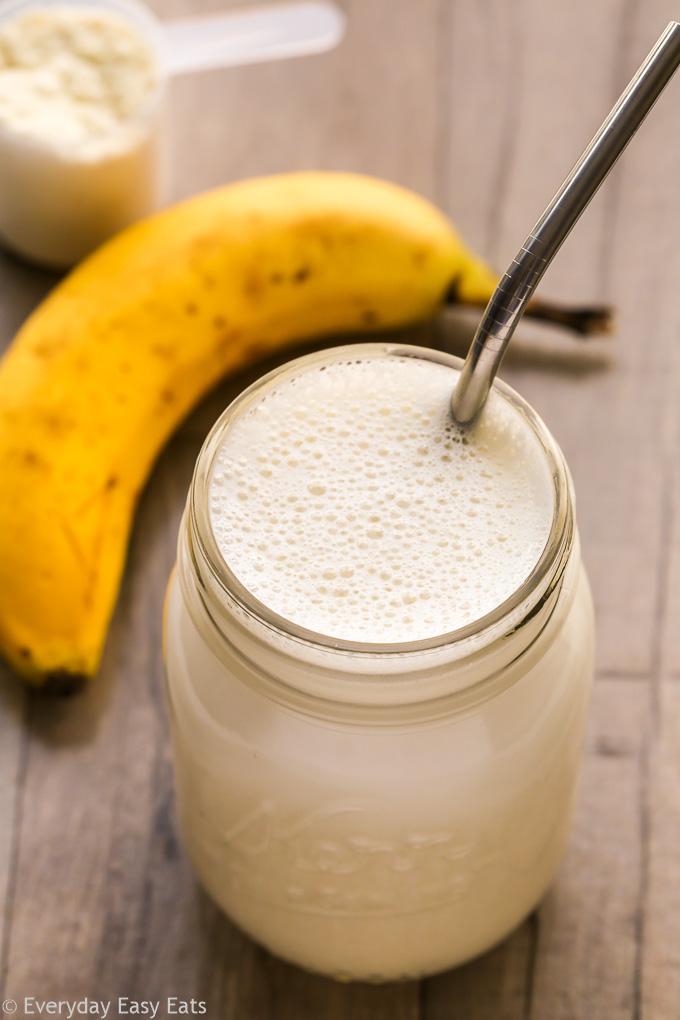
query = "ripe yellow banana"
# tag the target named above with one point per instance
(103, 371)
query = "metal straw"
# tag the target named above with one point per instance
(512, 294)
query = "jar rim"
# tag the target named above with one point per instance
(475, 635)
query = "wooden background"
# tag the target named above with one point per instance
(481, 105)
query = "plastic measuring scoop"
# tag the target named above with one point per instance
(248, 35)
(252, 35)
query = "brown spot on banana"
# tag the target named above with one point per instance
(56, 424)
(370, 318)
(164, 351)
(46, 349)
(253, 287)
(256, 350)
(227, 340)
(302, 274)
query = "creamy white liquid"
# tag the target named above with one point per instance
(349, 502)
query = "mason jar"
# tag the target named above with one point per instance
(376, 811)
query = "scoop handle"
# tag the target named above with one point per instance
(252, 35)
(512, 294)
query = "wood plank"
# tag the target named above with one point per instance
(670, 647)
(13, 747)
(519, 112)
(660, 965)
(669, 653)
(21, 287)
(496, 985)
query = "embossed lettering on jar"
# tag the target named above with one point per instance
(377, 810)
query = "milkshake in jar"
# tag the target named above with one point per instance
(379, 642)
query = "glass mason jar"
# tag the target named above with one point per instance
(376, 811)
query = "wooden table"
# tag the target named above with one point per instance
(481, 105)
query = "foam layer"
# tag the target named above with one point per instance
(347, 501)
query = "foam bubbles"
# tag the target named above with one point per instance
(348, 502)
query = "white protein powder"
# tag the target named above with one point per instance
(69, 76)
(78, 130)
(349, 502)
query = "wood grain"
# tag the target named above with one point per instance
(660, 944)
(483, 106)
(369, 106)
(21, 288)
(13, 745)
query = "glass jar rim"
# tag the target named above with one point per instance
(502, 619)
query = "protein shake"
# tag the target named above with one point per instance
(379, 651)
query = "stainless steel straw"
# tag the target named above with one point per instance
(512, 294)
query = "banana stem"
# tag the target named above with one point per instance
(595, 320)
(589, 321)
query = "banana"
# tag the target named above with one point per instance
(104, 370)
